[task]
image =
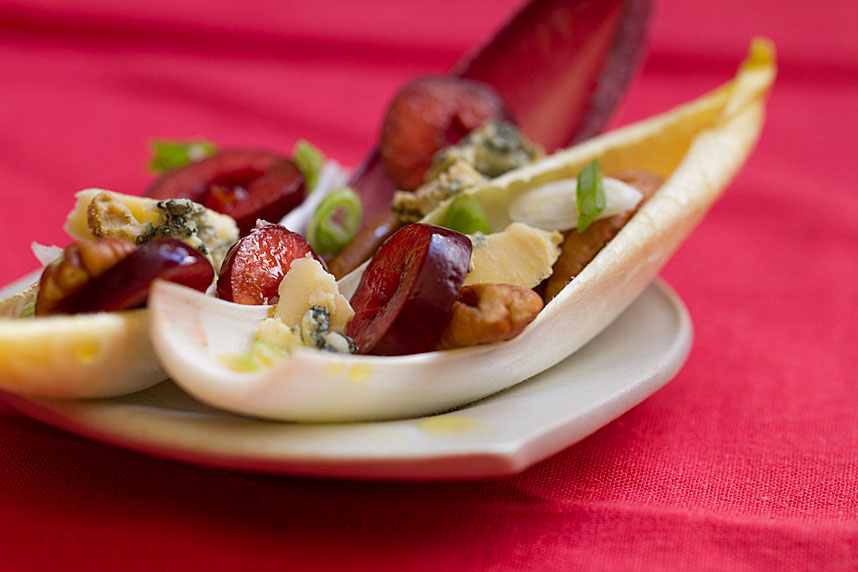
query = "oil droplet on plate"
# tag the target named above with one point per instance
(86, 351)
(451, 425)
(359, 372)
(334, 368)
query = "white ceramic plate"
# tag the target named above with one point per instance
(499, 435)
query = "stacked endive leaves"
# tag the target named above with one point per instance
(697, 147)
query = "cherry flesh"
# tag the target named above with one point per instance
(255, 265)
(405, 295)
(427, 115)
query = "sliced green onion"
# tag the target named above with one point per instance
(30, 308)
(466, 215)
(590, 194)
(309, 160)
(169, 155)
(335, 222)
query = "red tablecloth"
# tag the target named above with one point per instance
(748, 460)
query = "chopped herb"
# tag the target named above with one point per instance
(335, 222)
(169, 155)
(309, 160)
(30, 308)
(590, 194)
(465, 214)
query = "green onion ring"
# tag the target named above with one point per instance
(335, 222)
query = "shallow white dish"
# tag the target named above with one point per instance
(499, 435)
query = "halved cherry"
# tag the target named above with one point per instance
(245, 184)
(429, 114)
(126, 285)
(405, 295)
(255, 265)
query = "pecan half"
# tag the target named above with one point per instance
(81, 262)
(488, 313)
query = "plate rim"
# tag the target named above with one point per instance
(505, 457)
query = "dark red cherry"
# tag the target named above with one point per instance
(405, 295)
(126, 285)
(244, 184)
(255, 265)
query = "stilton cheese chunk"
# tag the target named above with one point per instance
(305, 285)
(492, 150)
(488, 152)
(311, 311)
(316, 332)
(99, 213)
(409, 207)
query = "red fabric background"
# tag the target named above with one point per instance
(748, 460)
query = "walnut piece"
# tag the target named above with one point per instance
(107, 216)
(488, 313)
(81, 262)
